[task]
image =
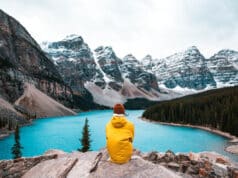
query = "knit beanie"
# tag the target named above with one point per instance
(119, 109)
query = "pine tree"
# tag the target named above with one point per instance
(16, 148)
(85, 140)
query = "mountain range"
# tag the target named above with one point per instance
(73, 74)
(110, 79)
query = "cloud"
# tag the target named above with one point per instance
(139, 27)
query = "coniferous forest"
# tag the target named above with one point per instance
(215, 109)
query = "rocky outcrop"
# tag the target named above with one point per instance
(56, 163)
(18, 167)
(232, 149)
(136, 167)
(52, 168)
(205, 164)
(78, 164)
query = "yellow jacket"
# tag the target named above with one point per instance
(120, 135)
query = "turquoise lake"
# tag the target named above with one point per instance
(64, 133)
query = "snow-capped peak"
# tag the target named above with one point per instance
(147, 57)
(129, 57)
(107, 77)
(191, 48)
(106, 50)
(229, 57)
(106, 53)
(147, 60)
(73, 37)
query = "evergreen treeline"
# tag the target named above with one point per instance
(139, 103)
(215, 108)
(9, 119)
(9, 124)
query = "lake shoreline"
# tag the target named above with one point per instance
(9, 132)
(216, 131)
(233, 140)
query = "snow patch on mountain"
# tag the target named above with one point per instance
(73, 37)
(105, 77)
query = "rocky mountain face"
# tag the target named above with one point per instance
(224, 67)
(109, 63)
(186, 69)
(133, 70)
(189, 69)
(75, 62)
(22, 60)
(108, 78)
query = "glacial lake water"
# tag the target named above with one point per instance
(64, 133)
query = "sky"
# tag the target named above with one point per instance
(139, 27)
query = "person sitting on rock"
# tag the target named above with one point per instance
(119, 135)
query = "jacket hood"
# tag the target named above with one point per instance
(118, 121)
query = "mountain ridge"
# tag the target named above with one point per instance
(179, 74)
(103, 74)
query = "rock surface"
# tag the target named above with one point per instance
(232, 149)
(204, 164)
(52, 168)
(56, 163)
(18, 167)
(84, 165)
(78, 164)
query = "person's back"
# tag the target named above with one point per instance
(120, 135)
